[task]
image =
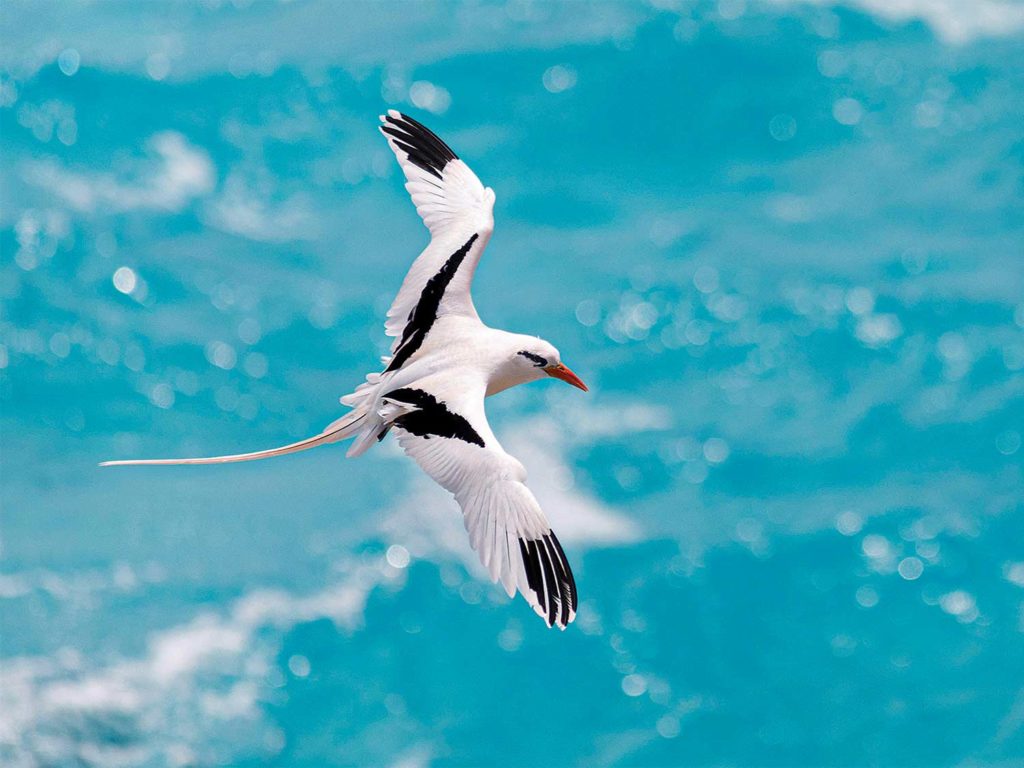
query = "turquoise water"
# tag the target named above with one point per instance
(781, 242)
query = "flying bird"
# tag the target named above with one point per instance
(444, 361)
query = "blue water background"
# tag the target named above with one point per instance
(782, 242)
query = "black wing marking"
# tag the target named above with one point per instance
(422, 145)
(423, 315)
(549, 576)
(432, 417)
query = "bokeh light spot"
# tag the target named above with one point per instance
(125, 279)
(69, 60)
(398, 556)
(433, 98)
(782, 127)
(847, 111)
(634, 685)
(716, 450)
(558, 78)
(849, 523)
(910, 568)
(221, 355)
(158, 66)
(668, 727)
(866, 597)
(1008, 442)
(299, 665)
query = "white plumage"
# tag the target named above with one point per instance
(444, 361)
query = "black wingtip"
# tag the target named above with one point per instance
(424, 148)
(550, 578)
(570, 579)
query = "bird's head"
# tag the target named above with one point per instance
(538, 358)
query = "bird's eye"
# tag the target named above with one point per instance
(539, 361)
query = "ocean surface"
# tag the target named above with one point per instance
(782, 241)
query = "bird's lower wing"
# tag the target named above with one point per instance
(452, 442)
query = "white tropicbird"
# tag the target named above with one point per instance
(444, 362)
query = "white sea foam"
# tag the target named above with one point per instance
(194, 680)
(173, 173)
(328, 34)
(578, 517)
(240, 210)
(304, 33)
(955, 21)
(80, 587)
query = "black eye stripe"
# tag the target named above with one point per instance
(539, 361)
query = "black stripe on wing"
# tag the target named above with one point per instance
(549, 576)
(422, 145)
(423, 315)
(431, 417)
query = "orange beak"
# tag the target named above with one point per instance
(561, 372)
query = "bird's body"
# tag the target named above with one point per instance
(443, 363)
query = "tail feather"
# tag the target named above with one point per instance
(366, 441)
(338, 430)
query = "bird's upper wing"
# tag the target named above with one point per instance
(451, 441)
(458, 211)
